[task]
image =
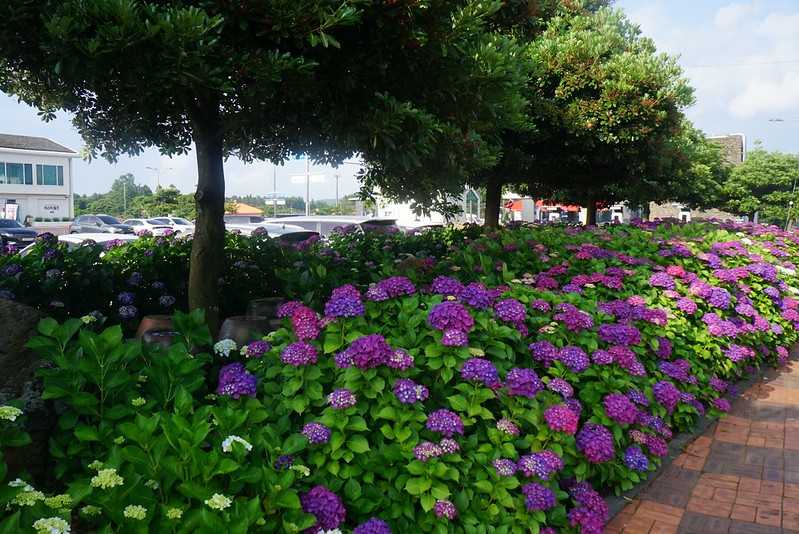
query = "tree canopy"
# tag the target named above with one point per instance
(416, 88)
(765, 183)
(118, 201)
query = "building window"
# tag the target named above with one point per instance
(16, 173)
(50, 175)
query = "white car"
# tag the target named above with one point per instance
(73, 241)
(328, 224)
(178, 224)
(150, 225)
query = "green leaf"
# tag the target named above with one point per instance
(417, 485)
(86, 433)
(288, 499)
(358, 444)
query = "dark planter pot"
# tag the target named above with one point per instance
(154, 322)
(243, 328)
(161, 338)
(265, 307)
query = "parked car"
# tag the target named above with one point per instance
(98, 224)
(150, 225)
(279, 229)
(178, 224)
(327, 224)
(75, 240)
(13, 233)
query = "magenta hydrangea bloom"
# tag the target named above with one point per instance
(663, 280)
(476, 295)
(445, 422)
(561, 418)
(317, 433)
(326, 506)
(340, 399)
(574, 319)
(450, 316)
(373, 526)
(445, 509)
(718, 384)
(558, 385)
(541, 464)
(235, 381)
(256, 349)
(592, 510)
(397, 286)
(596, 443)
(523, 383)
(538, 497)
(721, 404)
(601, 357)
(666, 394)
(287, 309)
(305, 323)
(408, 392)
(656, 445)
(299, 354)
(540, 305)
(480, 370)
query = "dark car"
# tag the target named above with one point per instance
(11, 232)
(98, 223)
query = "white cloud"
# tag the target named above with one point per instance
(730, 16)
(767, 97)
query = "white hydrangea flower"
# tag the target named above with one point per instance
(304, 471)
(19, 483)
(218, 502)
(51, 525)
(9, 413)
(135, 511)
(227, 444)
(107, 478)
(88, 319)
(225, 347)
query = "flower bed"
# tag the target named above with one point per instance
(549, 368)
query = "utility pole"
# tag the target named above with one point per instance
(307, 185)
(125, 198)
(274, 188)
(336, 190)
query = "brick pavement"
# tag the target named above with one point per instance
(740, 477)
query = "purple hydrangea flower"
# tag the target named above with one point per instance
(540, 305)
(665, 348)
(480, 370)
(638, 397)
(397, 286)
(719, 298)
(288, 308)
(299, 354)
(574, 319)
(574, 358)
(373, 526)
(510, 311)
(656, 445)
(400, 359)
(408, 392)
(128, 312)
(508, 427)
(620, 408)
(326, 506)
(166, 301)
(561, 418)
(523, 383)
(427, 450)
(591, 512)
(544, 352)
(601, 357)
(454, 338)
(449, 446)
(256, 349)
(444, 285)
(369, 351)
(596, 443)
(666, 394)
(126, 297)
(721, 404)
(450, 316)
(558, 385)
(540, 464)
(305, 323)
(718, 384)
(342, 398)
(504, 467)
(235, 381)
(445, 422)
(663, 280)
(538, 497)
(284, 461)
(619, 334)
(316, 433)
(476, 295)
(345, 301)
(445, 509)
(635, 459)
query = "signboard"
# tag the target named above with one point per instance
(278, 201)
(12, 211)
(315, 179)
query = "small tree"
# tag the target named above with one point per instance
(765, 183)
(415, 87)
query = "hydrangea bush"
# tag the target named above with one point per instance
(506, 388)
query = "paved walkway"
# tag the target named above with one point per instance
(740, 476)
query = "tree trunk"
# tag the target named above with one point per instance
(493, 202)
(208, 246)
(590, 210)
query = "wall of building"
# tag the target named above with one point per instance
(45, 201)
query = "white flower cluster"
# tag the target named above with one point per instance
(9, 413)
(51, 525)
(227, 445)
(224, 347)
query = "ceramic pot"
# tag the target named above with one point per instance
(154, 322)
(162, 338)
(265, 307)
(244, 328)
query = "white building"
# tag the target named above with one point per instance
(35, 178)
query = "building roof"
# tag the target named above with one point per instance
(246, 209)
(24, 142)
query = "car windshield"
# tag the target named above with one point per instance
(178, 220)
(9, 223)
(155, 221)
(107, 219)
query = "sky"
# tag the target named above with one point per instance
(741, 57)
